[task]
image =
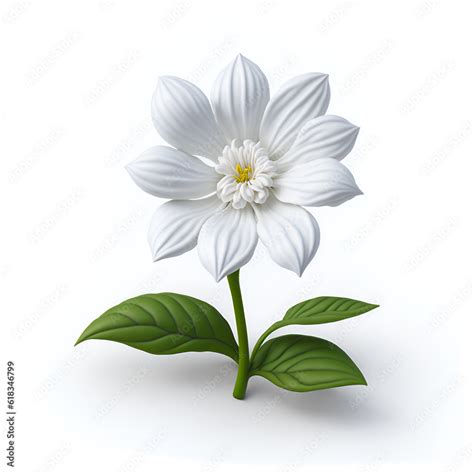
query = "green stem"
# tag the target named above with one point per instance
(262, 338)
(244, 364)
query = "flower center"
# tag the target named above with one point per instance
(248, 174)
(243, 174)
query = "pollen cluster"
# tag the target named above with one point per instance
(243, 174)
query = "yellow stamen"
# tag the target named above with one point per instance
(243, 174)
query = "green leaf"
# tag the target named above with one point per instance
(165, 323)
(323, 309)
(305, 363)
(326, 309)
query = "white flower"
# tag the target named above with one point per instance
(261, 160)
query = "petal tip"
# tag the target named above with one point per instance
(162, 80)
(156, 255)
(129, 169)
(218, 275)
(316, 75)
(297, 268)
(241, 58)
(298, 271)
(304, 265)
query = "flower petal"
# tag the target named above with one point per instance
(183, 117)
(175, 226)
(298, 100)
(328, 136)
(169, 173)
(290, 233)
(323, 182)
(227, 241)
(239, 97)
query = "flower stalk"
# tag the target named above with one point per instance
(244, 362)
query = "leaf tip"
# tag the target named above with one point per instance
(362, 380)
(81, 338)
(372, 306)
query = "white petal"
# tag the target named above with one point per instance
(290, 233)
(247, 192)
(328, 136)
(175, 226)
(298, 100)
(323, 182)
(227, 241)
(169, 173)
(183, 117)
(239, 97)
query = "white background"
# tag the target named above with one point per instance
(76, 84)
